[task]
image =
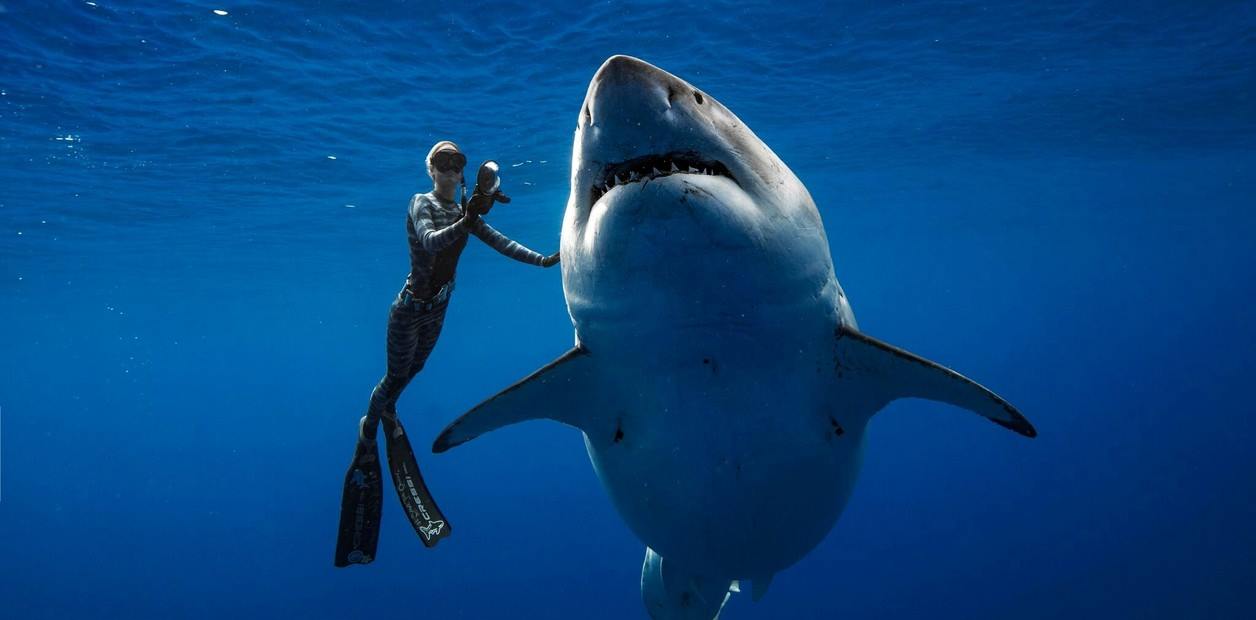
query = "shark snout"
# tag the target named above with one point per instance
(640, 122)
(630, 90)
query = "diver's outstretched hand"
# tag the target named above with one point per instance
(550, 261)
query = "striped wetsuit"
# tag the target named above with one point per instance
(437, 232)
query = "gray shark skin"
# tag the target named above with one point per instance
(719, 377)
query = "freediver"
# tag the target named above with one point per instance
(437, 227)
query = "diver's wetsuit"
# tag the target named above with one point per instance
(437, 232)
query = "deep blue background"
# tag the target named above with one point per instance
(1056, 199)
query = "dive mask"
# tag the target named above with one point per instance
(449, 161)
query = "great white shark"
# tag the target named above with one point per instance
(718, 375)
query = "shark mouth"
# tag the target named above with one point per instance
(641, 169)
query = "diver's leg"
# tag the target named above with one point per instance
(429, 329)
(426, 518)
(404, 328)
(409, 346)
(362, 499)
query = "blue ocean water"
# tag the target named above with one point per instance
(201, 228)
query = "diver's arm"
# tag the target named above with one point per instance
(430, 238)
(506, 246)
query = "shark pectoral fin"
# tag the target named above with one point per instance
(907, 375)
(557, 392)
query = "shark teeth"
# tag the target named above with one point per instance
(651, 167)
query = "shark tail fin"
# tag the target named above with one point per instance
(907, 375)
(760, 587)
(557, 391)
(671, 591)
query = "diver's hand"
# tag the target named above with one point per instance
(550, 261)
(479, 205)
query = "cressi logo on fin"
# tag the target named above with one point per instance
(432, 529)
(357, 557)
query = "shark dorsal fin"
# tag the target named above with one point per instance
(906, 375)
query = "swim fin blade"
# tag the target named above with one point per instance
(426, 518)
(360, 507)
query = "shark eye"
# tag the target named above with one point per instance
(697, 96)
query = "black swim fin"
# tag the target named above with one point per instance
(360, 505)
(426, 518)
